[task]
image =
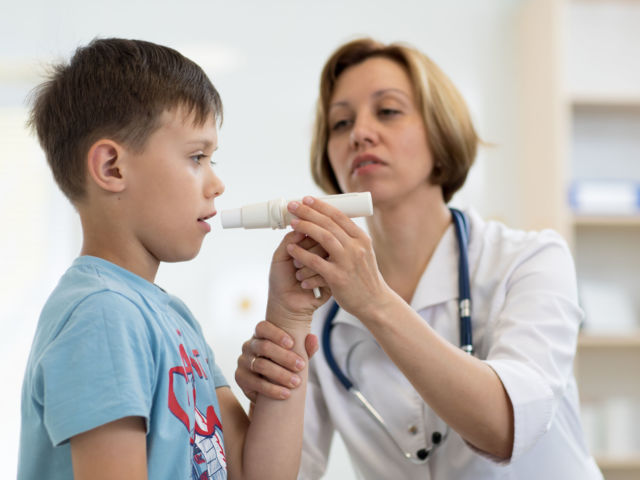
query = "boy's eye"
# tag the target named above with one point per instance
(196, 158)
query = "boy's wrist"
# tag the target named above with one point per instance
(290, 322)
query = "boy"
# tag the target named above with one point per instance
(120, 383)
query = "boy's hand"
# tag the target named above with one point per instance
(267, 365)
(288, 302)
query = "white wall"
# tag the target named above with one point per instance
(265, 59)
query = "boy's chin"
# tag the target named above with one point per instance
(183, 256)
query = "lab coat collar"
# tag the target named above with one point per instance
(439, 282)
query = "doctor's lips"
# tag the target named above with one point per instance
(364, 160)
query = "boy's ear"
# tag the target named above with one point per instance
(105, 165)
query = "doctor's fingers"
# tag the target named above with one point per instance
(331, 243)
(269, 376)
(348, 254)
(342, 220)
(305, 213)
(317, 250)
(268, 331)
(312, 246)
(252, 384)
(258, 353)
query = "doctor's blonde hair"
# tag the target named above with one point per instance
(452, 137)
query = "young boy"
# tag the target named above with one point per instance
(120, 383)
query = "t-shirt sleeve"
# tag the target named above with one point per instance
(218, 377)
(534, 338)
(98, 369)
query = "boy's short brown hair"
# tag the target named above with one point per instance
(452, 136)
(113, 88)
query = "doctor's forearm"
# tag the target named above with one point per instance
(464, 391)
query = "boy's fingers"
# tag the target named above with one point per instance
(315, 281)
(280, 254)
(307, 243)
(305, 273)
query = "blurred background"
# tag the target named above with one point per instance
(553, 86)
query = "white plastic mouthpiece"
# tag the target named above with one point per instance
(274, 214)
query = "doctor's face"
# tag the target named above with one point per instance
(377, 138)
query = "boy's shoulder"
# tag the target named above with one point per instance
(92, 287)
(89, 277)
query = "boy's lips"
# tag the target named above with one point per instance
(203, 221)
(208, 216)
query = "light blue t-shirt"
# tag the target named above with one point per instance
(110, 345)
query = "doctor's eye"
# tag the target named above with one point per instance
(388, 112)
(341, 124)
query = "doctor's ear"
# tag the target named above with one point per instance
(105, 165)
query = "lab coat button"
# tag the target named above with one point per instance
(413, 429)
(422, 454)
(436, 438)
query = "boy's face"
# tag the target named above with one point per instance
(171, 186)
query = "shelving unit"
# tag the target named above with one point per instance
(596, 342)
(580, 109)
(603, 221)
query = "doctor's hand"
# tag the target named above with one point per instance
(350, 270)
(268, 366)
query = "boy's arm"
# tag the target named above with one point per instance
(270, 445)
(268, 366)
(114, 451)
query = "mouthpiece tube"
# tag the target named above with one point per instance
(274, 214)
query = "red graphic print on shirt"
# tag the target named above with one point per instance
(208, 461)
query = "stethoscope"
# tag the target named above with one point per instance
(464, 308)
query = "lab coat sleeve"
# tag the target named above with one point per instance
(533, 339)
(318, 430)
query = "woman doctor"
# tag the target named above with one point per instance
(390, 122)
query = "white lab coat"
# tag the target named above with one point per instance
(525, 320)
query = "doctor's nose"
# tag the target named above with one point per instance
(363, 134)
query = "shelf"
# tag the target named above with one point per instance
(605, 100)
(609, 462)
(592, 340)
(606, 220)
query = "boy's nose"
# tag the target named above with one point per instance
(214, 186)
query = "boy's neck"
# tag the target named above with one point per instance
(108, 242)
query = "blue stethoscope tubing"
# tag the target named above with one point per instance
(464, 308)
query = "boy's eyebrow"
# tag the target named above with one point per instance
(207, 144)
